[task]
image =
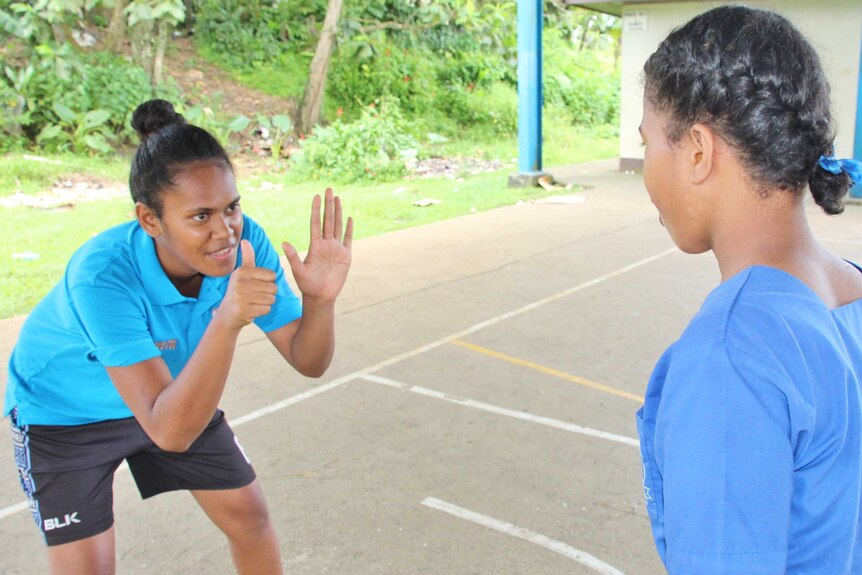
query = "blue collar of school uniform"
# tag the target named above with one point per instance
(158, 286)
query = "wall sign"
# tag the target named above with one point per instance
(634, 21)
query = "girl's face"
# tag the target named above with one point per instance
(667, 168)
(200, 227)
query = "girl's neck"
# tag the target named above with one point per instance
(189, 287)
(776, 234)
(772, 232)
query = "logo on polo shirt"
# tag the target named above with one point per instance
(165, 345)
(57, 523)
(647, 495)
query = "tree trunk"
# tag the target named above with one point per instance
(141, 37)
(312, 99)
(161, 44)
(585, 29)
(189, 21)
(59, 31)
(117, 27)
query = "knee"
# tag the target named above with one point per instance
(256, 520)
(248, 522)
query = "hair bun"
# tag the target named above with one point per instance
(153, 116)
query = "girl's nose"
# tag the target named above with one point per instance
(223, 227)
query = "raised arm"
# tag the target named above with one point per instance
(174, 411)
(309, 342)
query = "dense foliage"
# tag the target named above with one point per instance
(450, 65)
(374, 147)
(423, 52)
(57, 94)
(442, 66)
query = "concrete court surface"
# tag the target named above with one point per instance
(479, 415)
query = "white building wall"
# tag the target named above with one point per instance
(834, 28)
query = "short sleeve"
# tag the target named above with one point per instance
(114, 325)
(287, 306)
(723, 450)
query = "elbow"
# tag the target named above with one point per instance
(173, 443)
(314, 372)
(312, 369)
(172, 432)
(175, 446)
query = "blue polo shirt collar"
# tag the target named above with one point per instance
(159, 287)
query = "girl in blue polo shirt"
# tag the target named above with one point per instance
(750, 430)
(127, 357)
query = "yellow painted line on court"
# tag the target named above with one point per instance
(547, 370)
(273, 407)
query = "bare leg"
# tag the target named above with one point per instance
(91, 556)
(244, 518)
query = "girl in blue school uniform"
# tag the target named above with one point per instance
(128, 356)
(750, 430)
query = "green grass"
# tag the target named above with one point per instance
(54, 235)
(563, 144)
(284, 78)
(377, 208)
(280, 205)
(34, 173)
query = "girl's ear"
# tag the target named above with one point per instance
(702, 152)
(148, 220)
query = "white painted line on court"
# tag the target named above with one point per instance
(442, 341)
(290, 400)
(562, 294)
(563, 549)
(338, 382)
(556, 423)
(6, 511)
(12, 509)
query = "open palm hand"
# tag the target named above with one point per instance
(323, 272)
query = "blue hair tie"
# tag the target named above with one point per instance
(836, 166)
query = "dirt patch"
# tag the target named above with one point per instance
(205, 83)
(452, 168)
(196, 76)
(67, 191)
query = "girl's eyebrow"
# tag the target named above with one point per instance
(208, 210)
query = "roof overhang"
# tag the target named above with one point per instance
(612, 8)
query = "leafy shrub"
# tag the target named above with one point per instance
(65, 80)
(470, 70)
(500, 103)
(237, 31)
(454, 101)
(375, 147)
(112, 84)
(252, 33)
(284, 77)
(496, 107)
(204, 116)
(364, 71)
(581, 81)
(79, 132)
(12, 114)
(279, 128)
(295, 21)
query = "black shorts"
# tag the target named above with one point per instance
(67, 472)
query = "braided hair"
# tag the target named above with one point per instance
(752, 77)
(168, 144)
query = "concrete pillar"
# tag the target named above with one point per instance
(529, 94)
(856, 191)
